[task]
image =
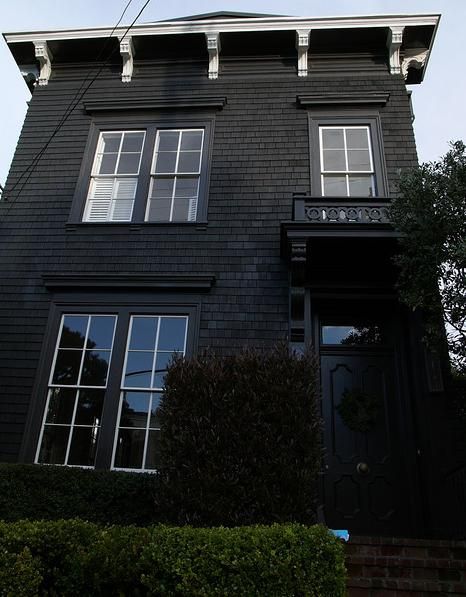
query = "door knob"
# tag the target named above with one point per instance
(363, 468)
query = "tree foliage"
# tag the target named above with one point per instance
(430, 211)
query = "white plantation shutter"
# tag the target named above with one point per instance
(110, 199)
(192, 210)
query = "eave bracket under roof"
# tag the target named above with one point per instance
(213, 48)
(127, 54)
(302, 45)
(44, 56)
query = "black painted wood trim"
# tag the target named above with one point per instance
(164, 282)
(170, 103)
(347, 98)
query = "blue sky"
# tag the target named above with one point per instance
(439, 102)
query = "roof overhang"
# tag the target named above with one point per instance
(410, 35)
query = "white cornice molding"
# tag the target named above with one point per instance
(394, 41)
(302, 45)
(44, 56)
(413, 58)
(213, 48)
(127, 54)
(232, 25)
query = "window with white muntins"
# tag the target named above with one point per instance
(346, 161)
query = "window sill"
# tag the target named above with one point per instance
(133, 226)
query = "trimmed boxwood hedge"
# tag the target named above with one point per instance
(54, 492)
(79, 558)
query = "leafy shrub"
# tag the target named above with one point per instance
(54, 492)
(79, 558)
(240, 439)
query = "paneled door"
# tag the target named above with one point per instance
(365, 488)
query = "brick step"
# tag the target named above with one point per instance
(394, 567)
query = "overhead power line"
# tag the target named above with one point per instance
(80, 93)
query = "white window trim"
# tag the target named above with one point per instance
(159, 175)
(151, 390)
(51, 386)
(347, 172)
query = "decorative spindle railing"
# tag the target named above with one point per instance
(321, 210)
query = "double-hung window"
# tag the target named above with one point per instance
(176, 169)
(114, 177)
(346, 154)
(106, 381)
(155, 173)
(347, 167)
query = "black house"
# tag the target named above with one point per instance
(220, 181)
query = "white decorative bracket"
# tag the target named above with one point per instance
(413, 58)
(44, 56)
(302, 45)
(127, 53)
(394, 41)
(213, 47)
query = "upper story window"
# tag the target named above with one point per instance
(175, 173)
(155, 173)
(346, 154)
(114, 177)
(346, 161)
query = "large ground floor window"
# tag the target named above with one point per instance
(105, 378)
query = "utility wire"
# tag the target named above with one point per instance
(75, 101)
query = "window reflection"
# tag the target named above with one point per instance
(352, 335)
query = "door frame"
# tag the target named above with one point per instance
(318, 303)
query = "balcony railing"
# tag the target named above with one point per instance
(322, 210)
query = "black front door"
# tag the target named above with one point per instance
(366, 489)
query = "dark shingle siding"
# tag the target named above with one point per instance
(260, 157)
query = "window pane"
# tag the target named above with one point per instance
(154, 416)
(161, 364)
(181, 209)
(101, 332)
(334, 159)
(153, 450)
(191, 140)
(134, 409)
(67, 367)
(189, 161)
(351, 334)
(172, 333)
(168, 140)
(139, 369)
(107, 163)
(111, 142)
(129, 163)
(357, 139)
(73, 331)
(143, 333)
(89, 409)
(334, 186)
(83, 445)
(359, 159)
(95, 368)
(54, 444)
(162, 187)
(129, 448)
(361, 186)
(186, 187)
(333, 139)
(165, 162)
(159, 210)
(132, 142)
(61, 405)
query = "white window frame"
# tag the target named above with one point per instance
(192, 216)
(115, 177)
(347, 173)
(51, 386)
(151, 390)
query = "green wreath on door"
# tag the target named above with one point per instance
(359, 410)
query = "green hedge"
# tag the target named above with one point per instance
(54, 492)
(240, 439)
(80, 558)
